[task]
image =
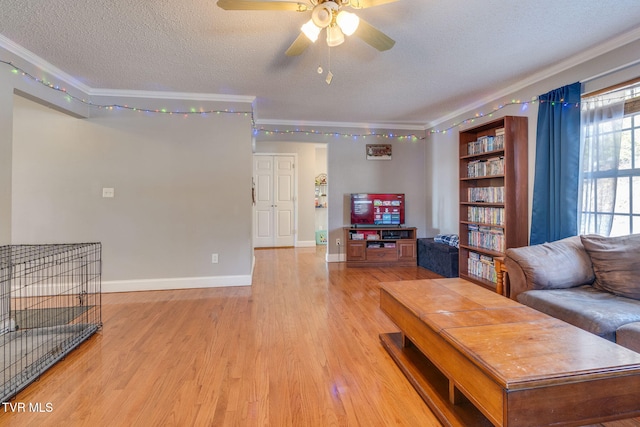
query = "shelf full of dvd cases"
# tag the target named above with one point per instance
(493, 195)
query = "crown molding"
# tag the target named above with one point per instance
(190, 96)
(58, 74)
(581, 58)
(41, 64)
(354, 125)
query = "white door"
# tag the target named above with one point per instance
(274, 215)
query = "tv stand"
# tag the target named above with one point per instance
(380, 246)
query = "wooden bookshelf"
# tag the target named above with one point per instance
(493, 195)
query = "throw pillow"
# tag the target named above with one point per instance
(616, 263)
(554, 265)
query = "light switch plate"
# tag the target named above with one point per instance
(108, 192)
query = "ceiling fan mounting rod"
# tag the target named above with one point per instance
(340, 3)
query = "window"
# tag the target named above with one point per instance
(611, 167)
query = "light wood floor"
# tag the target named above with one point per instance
(298, 348)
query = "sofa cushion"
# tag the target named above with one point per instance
(555, 265)
(586, 307)
(616, 263)
(629, 336)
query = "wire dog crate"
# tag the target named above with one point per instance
(50, 302)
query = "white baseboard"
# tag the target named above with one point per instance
(176, 283)
(336, 257)
(305, 243)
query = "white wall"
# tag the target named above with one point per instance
(11, 82)
(350, 172)
(6, 146)
(442, 184)
(182, 192)
(322, 218)
(182, 183)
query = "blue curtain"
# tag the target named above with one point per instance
(554, 213)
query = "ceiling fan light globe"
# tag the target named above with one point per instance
(322, 15)
(311, 30)
(348, 22)
(335, 37)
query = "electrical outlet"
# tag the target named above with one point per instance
(338, 241)
(214, 258)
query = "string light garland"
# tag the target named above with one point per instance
(192, 111)
(523, 104)
(346, 135)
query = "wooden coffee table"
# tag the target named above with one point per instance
(478, 358)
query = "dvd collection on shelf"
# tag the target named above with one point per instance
(481, 236)
(485, 194)
(486, 237)
(485, 215)
(487, 143)
(489, 167)
(482, 266)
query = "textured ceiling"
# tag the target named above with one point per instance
(448, 54)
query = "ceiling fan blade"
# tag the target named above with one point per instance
(363, 4)
(298, 46)
(262, 5)
(373, 36)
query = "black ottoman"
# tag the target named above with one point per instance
(438, 257)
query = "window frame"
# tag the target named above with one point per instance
(632, 115)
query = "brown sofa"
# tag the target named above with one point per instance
(592, 282)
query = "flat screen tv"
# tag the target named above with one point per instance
(377, 209)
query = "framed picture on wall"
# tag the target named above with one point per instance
(378, 151)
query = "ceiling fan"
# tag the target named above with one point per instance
(325, 14)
